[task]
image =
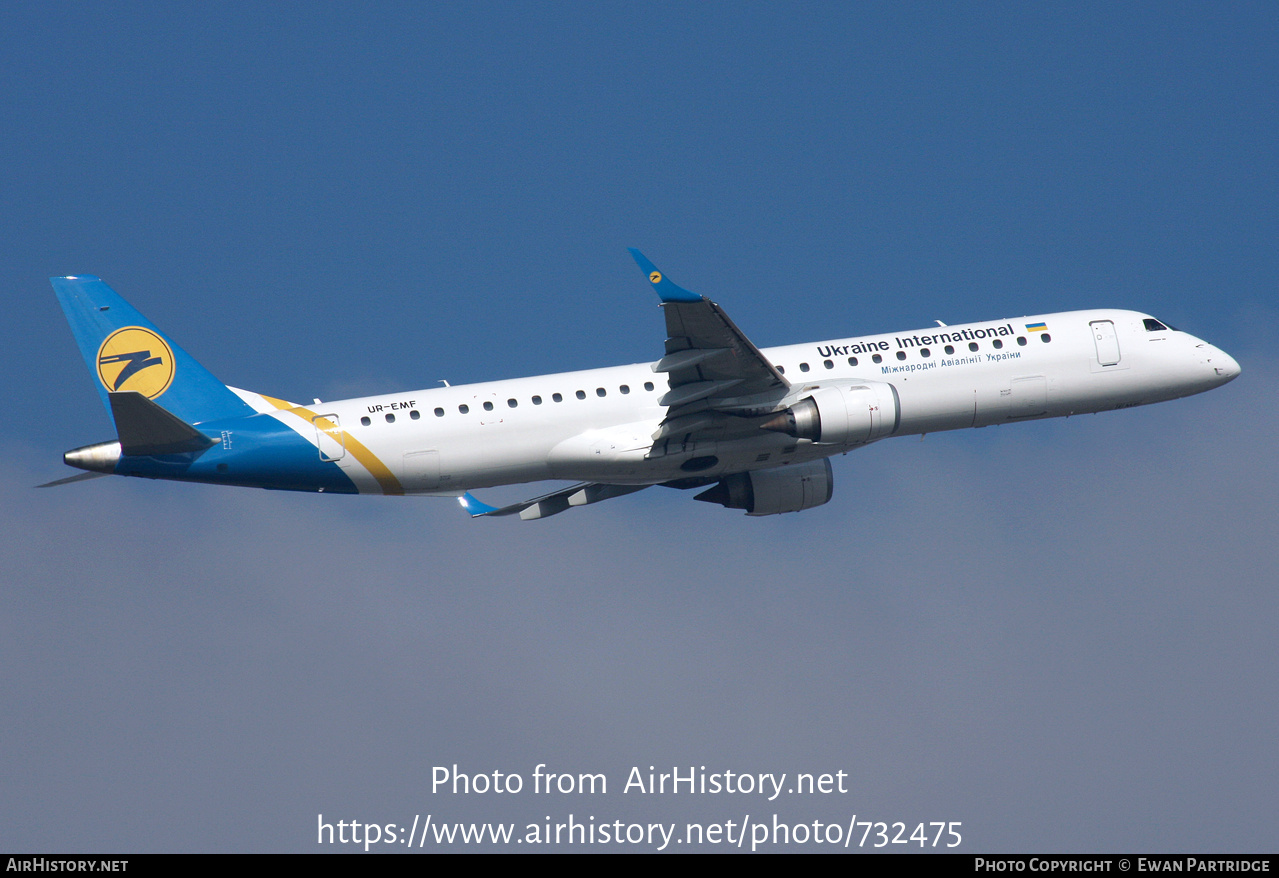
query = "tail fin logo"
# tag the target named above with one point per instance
(137, 359)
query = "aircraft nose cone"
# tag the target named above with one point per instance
(1227, 366)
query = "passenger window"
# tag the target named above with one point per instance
(463, 409)
(781, 370)
(488, 406)
(1021, 340)
(365, 421)
(557, 397)
(997, 344)
(415, 414)
(537, 400)
(877, 359)
(601, 392)
(950, 349)
(439, 413)
(1045, 338)
(901, 355)
(925, 353)
(648, 385)
(512, 403)
(852, 361)
(624, 388)
(581, 394)
(828, 364)
(972, 345)
(390, 418)
(803, 367)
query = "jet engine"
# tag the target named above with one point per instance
(773, 491)
(841, 415)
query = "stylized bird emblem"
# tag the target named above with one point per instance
(137, 361)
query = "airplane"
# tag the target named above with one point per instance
(755, 428)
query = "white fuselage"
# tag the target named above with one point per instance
(599, 424)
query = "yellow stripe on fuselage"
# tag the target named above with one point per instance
(380, 471)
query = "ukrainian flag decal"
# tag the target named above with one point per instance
(1036, 327)
(136, 359)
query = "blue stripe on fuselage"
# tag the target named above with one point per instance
(257, 451)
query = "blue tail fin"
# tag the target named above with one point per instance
(126, 352)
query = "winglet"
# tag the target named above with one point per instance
(474, 507)
(666, 291)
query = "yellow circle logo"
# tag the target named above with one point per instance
(134, 358)
(655, 277)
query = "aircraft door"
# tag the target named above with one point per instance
(329, 438)
(1103, 333)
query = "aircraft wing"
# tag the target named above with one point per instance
(712, 367)
(552, 503)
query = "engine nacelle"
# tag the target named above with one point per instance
(842, 414)
(773, 491)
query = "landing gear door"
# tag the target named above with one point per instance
(421, 470)
(329, 437)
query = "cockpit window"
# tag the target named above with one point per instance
(1153, 325)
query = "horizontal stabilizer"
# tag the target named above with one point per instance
(78, 477)
(147, 429)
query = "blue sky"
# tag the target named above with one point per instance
(1057, 633)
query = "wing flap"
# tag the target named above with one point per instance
(695, 390)
(714, 372)
(703, 326)
(686, 358)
